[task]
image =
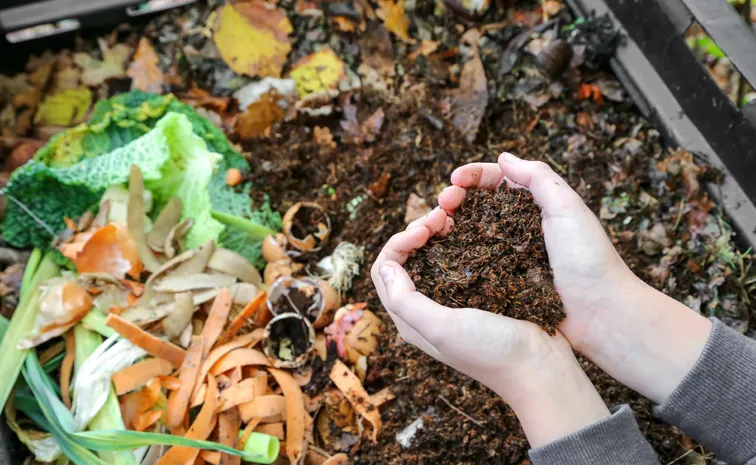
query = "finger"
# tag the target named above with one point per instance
(451, 198)
(400, 245)
(447, 227)
(434, 221)
(550, 191)
(413, 337)
(422, 314)
(480, 175)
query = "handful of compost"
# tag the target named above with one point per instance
(494, 259)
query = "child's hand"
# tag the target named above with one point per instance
(638, 335)
(535, 373)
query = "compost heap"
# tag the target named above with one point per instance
(348, 118)
(494, 259)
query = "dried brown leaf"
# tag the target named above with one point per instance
(144, 71)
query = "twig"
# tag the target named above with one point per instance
(556, 164)
(460, 411)
(37, 219)
(681, 457)
(679, 214)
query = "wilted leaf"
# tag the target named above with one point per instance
(64, 108)
(67, 75)
(144, 71)
(356, 133)
(113, 64)
(259, 116)
(318, 72)
(40, 68)
(253, 38)
(469, 101)
(200, 98)
(395, 20)
(426, 48)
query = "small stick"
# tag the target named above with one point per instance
(460, 411)
(681, 457)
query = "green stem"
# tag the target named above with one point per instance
(257, 231)
(22, 322)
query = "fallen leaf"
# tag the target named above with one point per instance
(318, 72)
(260, 116)
(356, 133)
(200, 98)
(67, 75)
(395, 20)
(416, 208)
(469, 101)
(21, 154)
(343, 24)
(426, 48)
(253, 37)
(112, 65)
(64, 108)
(144, 71)
(40, 69)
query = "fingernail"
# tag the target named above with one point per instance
(509, 158)
(387, 273)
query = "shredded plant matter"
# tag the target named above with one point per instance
(494, 259)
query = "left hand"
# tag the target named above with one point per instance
(515, 358)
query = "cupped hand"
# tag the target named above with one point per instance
(535, 373)
(588, 273)
(493, 349)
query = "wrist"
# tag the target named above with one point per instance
(645, 339)
(553, 398)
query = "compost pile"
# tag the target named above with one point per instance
(195, 203)
(494, 259)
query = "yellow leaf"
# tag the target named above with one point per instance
(113, 64)
(253, 38)
(395, 20)
(144, 71)
(64, 108)
(318, 72)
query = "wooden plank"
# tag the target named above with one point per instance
(50, 11)
(729, 31)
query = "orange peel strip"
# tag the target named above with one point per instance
(229, 423)
(237, 394)
(241, 319)
(349, 384)
(216, 319)
(296, 445)
(239, 358)
(141, 338)
(203, 425)
(271, 429)
(178, 401)
(263, 407)
(251, 425)
(66, 368)
(139, 373)
(216, 354)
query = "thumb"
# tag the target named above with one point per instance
(550, 191)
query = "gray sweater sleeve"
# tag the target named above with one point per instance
(616, 440)
(716, 401)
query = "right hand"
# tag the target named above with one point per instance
(638, 335)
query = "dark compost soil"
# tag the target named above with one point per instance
(494, 259)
